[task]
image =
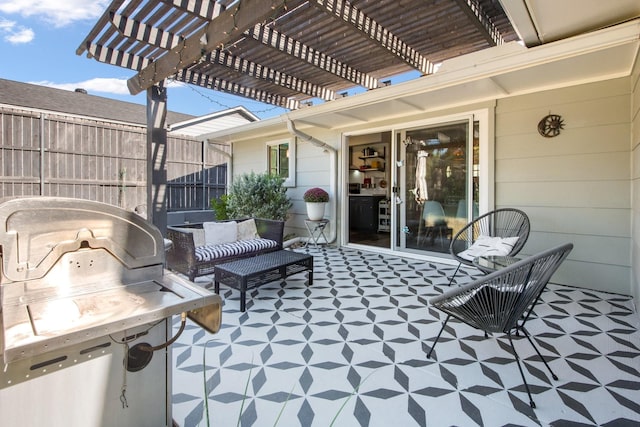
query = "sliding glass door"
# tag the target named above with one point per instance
(437, 170)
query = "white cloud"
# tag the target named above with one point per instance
(56, 12)
(15, 34)
(100, 85)
(6, 25)
(24, 35)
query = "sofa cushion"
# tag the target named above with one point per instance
(216, 233)
(240, 247)
(247, 230)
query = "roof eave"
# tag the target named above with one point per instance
(488, 65)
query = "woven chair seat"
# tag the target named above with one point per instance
(506, 228)
(501, 302)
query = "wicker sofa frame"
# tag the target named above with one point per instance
(181, 257)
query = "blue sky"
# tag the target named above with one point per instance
(38, 41)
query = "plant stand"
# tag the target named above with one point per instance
(316, 230)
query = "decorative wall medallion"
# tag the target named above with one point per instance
(550, 125)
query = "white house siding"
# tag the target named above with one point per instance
(635, 183)
(575, 187)
(312, 170)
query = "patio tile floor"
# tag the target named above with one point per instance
(352, 348)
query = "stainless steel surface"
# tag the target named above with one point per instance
(81, 385)
(74, 270)
(82, 284)
(37, 325)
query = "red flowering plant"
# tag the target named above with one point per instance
(316, 195)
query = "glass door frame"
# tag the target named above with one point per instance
(486, 173)
(486, 119)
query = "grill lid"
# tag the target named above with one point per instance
(74, 270)
(36, 232)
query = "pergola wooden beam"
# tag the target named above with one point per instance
(283, 43)
(273, 38)
(96, 30)
(225, 28)
(481, 21)
(165, 40)
(117, 57)
(145, 33)
(202, 9)
(221, 85)
(262, 72)
(344, 10)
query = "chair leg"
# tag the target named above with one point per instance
(438, 337)
(535, 347)
(528, 313)
(454, 274)
(515, 355)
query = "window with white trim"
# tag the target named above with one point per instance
(281, 160)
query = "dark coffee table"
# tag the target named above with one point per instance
(252, 272)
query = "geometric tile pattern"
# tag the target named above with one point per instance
(351, 351)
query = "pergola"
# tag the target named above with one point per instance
(289, 52)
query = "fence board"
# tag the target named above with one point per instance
(98, 160)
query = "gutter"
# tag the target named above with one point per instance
(333, 153)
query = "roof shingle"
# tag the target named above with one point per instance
(78, 103)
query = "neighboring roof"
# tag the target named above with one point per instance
(78, 103)
(285, 52)
(214, 122)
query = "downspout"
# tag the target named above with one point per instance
(333, 153)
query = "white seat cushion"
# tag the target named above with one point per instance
(487, 245)
(216, 233)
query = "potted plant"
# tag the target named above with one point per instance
(316, 198)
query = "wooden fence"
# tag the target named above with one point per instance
(56, 155)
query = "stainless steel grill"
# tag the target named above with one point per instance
(81, 280)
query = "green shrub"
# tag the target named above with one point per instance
(259, 196)
(219, 206)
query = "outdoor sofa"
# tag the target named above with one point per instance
(197, 248)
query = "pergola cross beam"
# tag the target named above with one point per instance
(283, 43)
(344, 10)
(202, 9)
(225, 28)
(484, 25)
(166, 40)
(262, 72)
(140, 31)
(222, 85)
(111, 56)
